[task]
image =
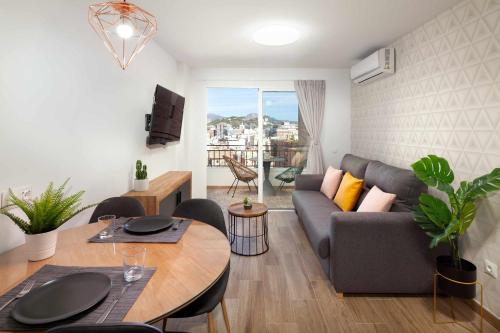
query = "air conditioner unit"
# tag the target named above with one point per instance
(375, 66)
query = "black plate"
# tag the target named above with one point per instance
(62, 298)
(148, 224)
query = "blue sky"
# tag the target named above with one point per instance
(227, 102)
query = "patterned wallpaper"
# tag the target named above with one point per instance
(443, 99)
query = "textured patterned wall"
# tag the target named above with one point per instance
(444, 99)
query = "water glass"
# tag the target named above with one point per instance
(110, 230)
(133, 263)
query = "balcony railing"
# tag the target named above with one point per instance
(247, 155)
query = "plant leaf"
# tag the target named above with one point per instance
(435, 209)
(467, 216)
(435, 172)
(481, 186)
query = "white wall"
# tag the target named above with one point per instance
(335, 136)
(68, 110)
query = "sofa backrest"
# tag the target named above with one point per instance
(401, 182)
(355, 165)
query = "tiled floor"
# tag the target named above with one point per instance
(282, 199)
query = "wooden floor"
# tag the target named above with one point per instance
(285, 290)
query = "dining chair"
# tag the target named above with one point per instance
(106, 328)
(209, 212)
(118, 206)
(240, 173)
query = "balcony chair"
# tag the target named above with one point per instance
(289, 175)
(209, 212)
(240, 173)
(118, 206)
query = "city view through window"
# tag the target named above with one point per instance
(233, 145)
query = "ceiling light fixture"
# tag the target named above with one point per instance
(124, 28)
(276, 35)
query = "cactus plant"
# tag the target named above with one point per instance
(141, 170)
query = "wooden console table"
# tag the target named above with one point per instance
(165, 193)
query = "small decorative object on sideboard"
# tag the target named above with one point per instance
(141, 182)
(447, 222)
(247, 203)
(45, 214)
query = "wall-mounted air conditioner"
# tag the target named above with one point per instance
(377, 65)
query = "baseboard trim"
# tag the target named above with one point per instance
(488, 315)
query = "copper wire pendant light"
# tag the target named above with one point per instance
(124, 28)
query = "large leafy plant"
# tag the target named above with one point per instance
(47, 212)
(447, 222)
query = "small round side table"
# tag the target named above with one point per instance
(248, 229)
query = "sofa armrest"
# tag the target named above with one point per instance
(308, 182)
(380, 253)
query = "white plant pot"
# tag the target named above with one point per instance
(141, 185)
(41, 246)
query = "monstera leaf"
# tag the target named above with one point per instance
(481, 186)
(435, 172)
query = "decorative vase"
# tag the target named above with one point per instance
(468, 274)
(41, 246)
(249, 206)
(141, 185)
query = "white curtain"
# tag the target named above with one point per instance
(311, 96)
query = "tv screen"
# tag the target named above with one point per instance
(165, 121)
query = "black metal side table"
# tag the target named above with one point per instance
(248, 232)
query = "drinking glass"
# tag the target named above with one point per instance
(110, 230)
(133, 263)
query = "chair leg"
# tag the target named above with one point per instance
(164, 325)
(249, 189)
(226, 317)
(236, 187)
(256, 188)
(211, 323)
(231, 186)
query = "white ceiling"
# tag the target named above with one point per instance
(335, 33)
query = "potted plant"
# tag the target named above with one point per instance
(141, 182)
(447, 222)
(247, 203)
(44, 215)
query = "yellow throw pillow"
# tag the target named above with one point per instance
(348, 192)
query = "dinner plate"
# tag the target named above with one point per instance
(62, 298)
(148, 224)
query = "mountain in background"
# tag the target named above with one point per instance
(250, 120)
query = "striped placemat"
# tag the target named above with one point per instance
(51, 272)
(121, 236)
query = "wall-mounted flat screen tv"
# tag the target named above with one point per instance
(165, 121)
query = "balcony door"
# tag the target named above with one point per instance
(255, 127)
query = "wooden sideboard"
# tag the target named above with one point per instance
(165, 193)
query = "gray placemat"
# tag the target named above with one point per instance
(51, 272)
(121, 236)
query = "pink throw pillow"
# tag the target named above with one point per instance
(377, 201)
(331, 182)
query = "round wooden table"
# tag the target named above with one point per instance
(248, 231)
(183, 270)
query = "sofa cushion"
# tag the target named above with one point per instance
(314, 209)
(377, 201)
(348, 192)
(331, 182)
(401, 182)
(355, 165)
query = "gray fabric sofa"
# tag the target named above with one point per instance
(368, 252)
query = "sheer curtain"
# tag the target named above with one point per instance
(311, 96)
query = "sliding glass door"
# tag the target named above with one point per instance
(255, 144)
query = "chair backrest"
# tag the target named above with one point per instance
(203, 210)
(105, 328)
(239, 170)
(118, 206)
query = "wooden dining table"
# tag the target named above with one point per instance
(184, 270)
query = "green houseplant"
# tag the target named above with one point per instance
(43, 216)
(447, 222)
(141, 182)
(247, 203)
